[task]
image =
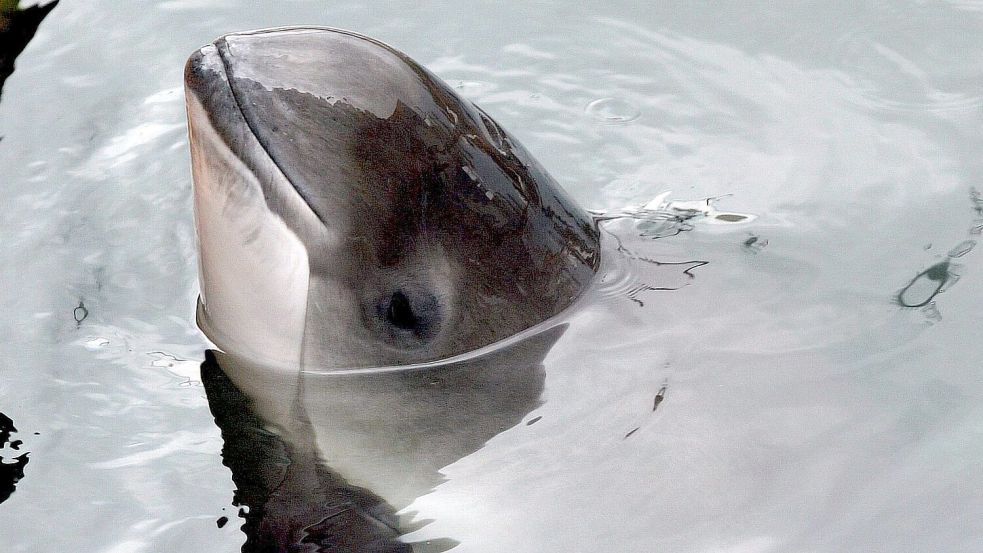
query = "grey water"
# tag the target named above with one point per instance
(808, 379)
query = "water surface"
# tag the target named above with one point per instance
(809, 380)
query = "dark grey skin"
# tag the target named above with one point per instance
(353, 211)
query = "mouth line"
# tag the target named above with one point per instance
(222, 49)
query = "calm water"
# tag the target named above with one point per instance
(807, 381)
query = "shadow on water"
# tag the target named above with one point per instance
(305, 454)
(17, 28)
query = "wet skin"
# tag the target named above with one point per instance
(352, 211)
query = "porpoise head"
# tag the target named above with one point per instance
(353, 211)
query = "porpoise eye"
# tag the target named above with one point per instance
(410, 317)
(400, 312)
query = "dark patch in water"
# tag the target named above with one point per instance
(17, 28)
(661, 395)
(10, 473)
(755, 243)
(222, 521)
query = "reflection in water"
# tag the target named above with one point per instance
(285, 495)
(17, 28)
(621, 277)
(324, 460)
(10, 473)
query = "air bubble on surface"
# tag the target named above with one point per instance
(612, 110)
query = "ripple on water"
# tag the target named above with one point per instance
(962, 248)
(627, 275)
(889, 79)
(612, 111)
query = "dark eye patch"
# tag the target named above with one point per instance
(409, 317)
(400, 312)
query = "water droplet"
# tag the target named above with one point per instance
(612, 110)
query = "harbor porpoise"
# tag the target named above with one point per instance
(361, 228)
(353, 211)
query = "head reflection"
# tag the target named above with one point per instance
(322, 461)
